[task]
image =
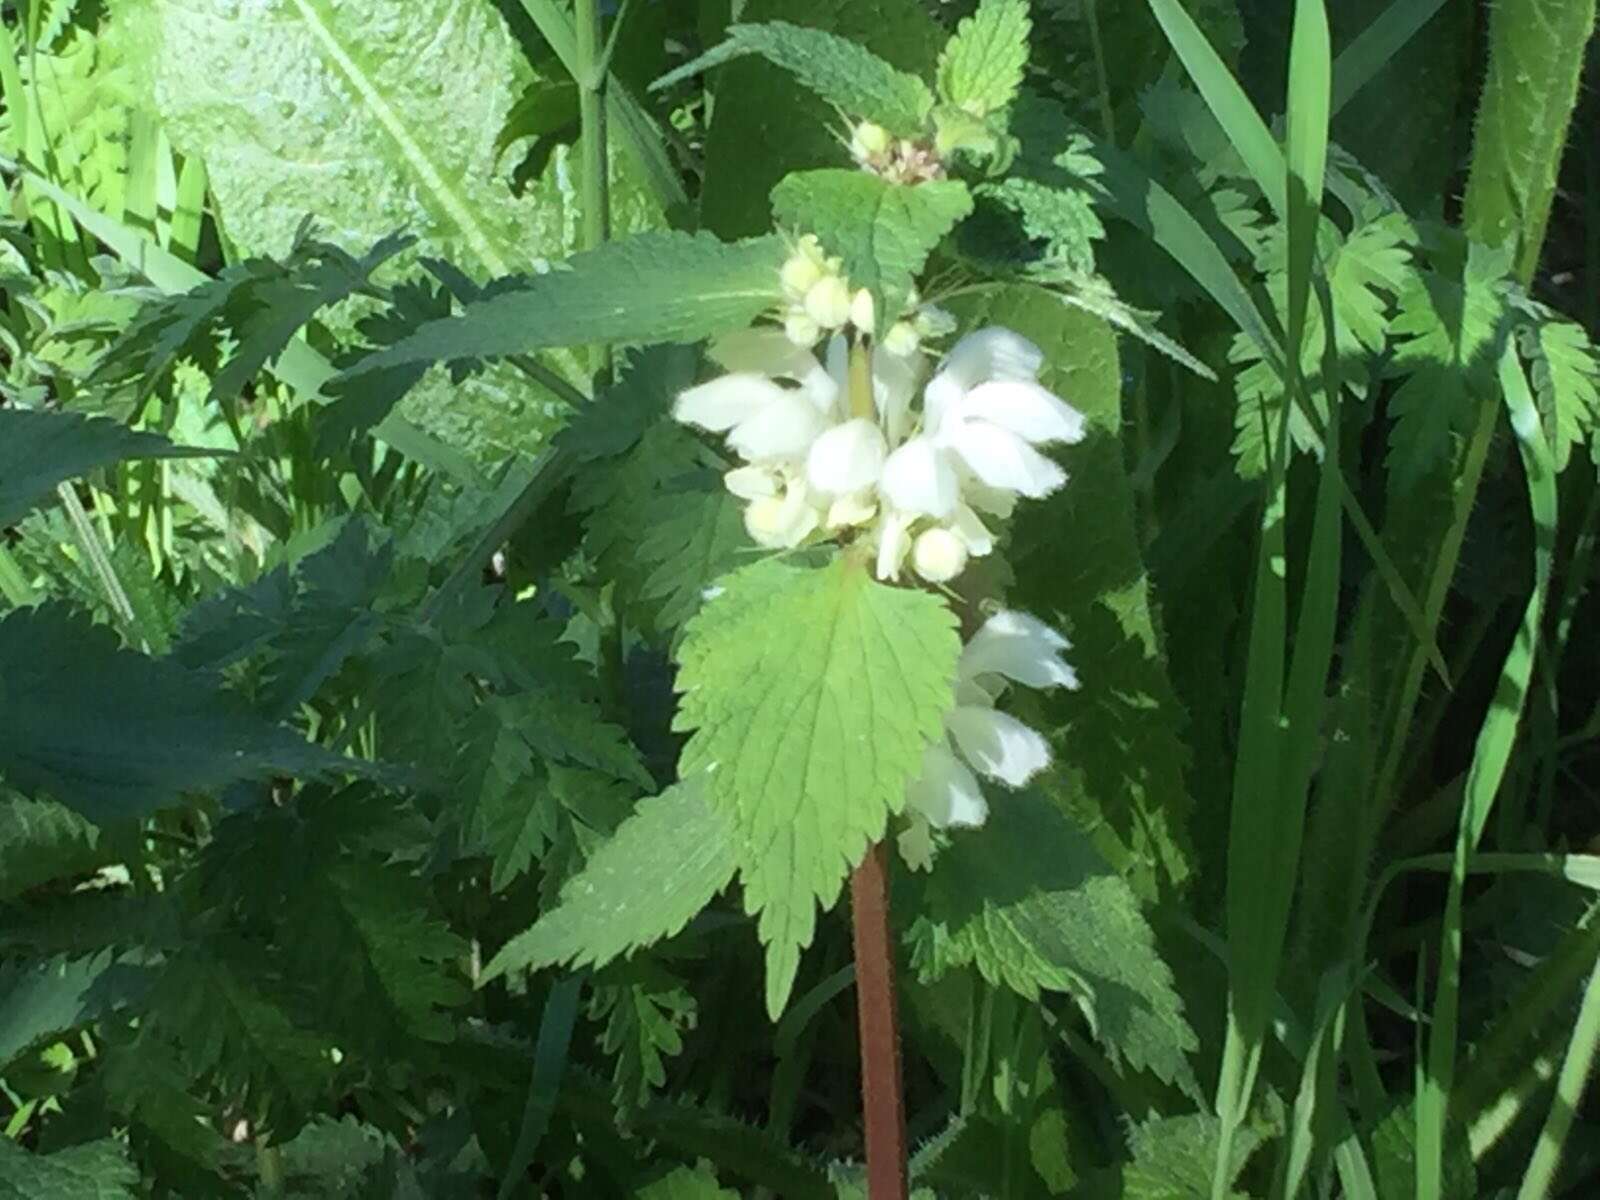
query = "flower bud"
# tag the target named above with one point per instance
(800, 328)
(901, 339)
(931, 321)
(828, 302)
(938, 555)
(800, 272)
(863, 311)
(869, 140)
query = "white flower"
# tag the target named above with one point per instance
(1011, 646)
(983, 415)
(863, 311)
(784, 520)
(828, 302)
(847, 458)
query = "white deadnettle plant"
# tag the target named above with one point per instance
(920, 485)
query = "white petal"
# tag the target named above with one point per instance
(762, 350)
(1025, 408)
(721, 403)
(998, 745)
(855, 509)
(783, 429)
(894, 383)
(993, 353)
(847, 458)
(1002, 459)
(1021, 648)
(751, 483)
(966, 526)
(828, 302)
(947, 793)
(781, 523)
(938, 555)
(919, 478)
(893, 543)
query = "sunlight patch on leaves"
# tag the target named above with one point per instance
(810, 695)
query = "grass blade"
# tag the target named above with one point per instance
(549, 1063)
(1496, 736)
(1379, 42)
(1569, 1091)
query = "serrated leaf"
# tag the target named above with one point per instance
(884, 231)
(1566, 381)
(40, 999)
(88, 1171)
(565, 729)
(687, 1183)
(643, 1028)
(39, 450)
(811, 694)
(662, 866)
(258, 305)
(115, 735)
(1173, 1158)
(1031, 904)
(652, 288)
(981, 67)
(41, 841)
(504, 811)
(835, 68)
(1450, 322)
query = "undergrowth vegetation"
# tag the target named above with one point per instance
(794, 599)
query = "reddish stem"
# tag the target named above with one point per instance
(882, 1105)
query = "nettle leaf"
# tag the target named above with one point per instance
(687, 1183)
(651, 288)
(662, 866)
(88, 1171)
(1031, 904)
(1566, 380)
(39, 450)
(765, 123)
(505, 813)
(835, 68)
(1451, 321)
(41, 841)
(811, 695)
(981, 67)
(44, 999)
(884, 231)
(257, 306)
(657, 518)
(644, 1025)
(1121, 758)
(115, 735)
(1174, 1158)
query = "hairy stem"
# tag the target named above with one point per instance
(883, 1106)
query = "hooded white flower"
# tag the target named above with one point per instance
(1014, 647)
(983, 415)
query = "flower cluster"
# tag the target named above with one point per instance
(899, 160)
(921, 485)
(1011, 647)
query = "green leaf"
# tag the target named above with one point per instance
(115, 735)
(88, 1171)
(981, 67)
(644, 1024)
(1447, 332)
(39, 450)
(41, 841)
(687, 1183)
(835, 68)
(43, 999)
(884, 231)
(766, 124)
(1030, 903)
(662, 866)
(1173, 1158)
(1566, 381)
(505, 812)
(655, 287)
(259, 305)
(1535, 61)
(812, 695)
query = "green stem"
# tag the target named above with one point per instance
(596, 197)
(95, 551)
